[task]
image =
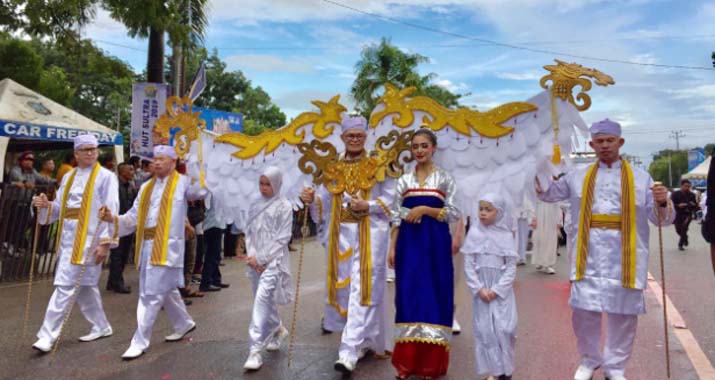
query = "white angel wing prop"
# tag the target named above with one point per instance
(503, 148)
(233, 162)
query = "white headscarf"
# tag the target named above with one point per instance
(275, 177)
(495, 239)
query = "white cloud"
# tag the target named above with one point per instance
(531, 76)
(296, 102)
(451, 87)
(268, 63)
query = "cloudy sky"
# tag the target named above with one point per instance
(300, 50)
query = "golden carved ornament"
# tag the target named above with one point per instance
(390, 149)
(269, 141)
(322, 161)
(315, 158)
(565, 76)
(188, 123)
(462, 120)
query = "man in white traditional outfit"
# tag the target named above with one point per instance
(268, 231)
(158, 217)
(612, 202)
(355, 227)
(525, 222)
(545, 236)
(81, 241)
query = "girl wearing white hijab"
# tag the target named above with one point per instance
(268, 232)
(490, 258)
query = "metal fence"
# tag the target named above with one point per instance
(17, 229)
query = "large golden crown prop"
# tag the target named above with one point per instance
(321, 159)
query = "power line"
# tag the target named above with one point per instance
(512, 46)
(119, 45)
(677, 135)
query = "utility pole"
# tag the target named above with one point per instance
(670, 170)
(677, 135)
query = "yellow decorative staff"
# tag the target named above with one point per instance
(32, 272)
(662, 278)
(304, 233)
(564, 77)
(180, 117)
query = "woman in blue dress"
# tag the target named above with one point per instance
(421, 253)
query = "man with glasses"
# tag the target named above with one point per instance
(355, 227)
(83, 242)
(25, 175)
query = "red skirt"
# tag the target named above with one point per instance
(420, 359)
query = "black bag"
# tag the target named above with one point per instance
(197, 212)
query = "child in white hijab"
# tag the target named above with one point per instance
(268, 232)
(490, 258)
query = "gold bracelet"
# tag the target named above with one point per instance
(442, 214)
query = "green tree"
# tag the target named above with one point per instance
(20, 62)
(232, 91)
(55, 85)
(58, 20)
(386, 63)
(154, 19)
(668, 165)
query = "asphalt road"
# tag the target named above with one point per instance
(218, 348)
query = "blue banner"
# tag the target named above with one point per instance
(695, 157)
(221, 121)
(31, 131)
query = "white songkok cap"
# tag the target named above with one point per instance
(354, 122)
(165, 150)
(81, 141)
(605, 127)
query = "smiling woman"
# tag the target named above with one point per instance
(421, 253)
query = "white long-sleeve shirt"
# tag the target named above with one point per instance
(601, 288)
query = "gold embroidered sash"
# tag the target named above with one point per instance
(161, 232)
(336, 217)
(82, 215)
(625, 222)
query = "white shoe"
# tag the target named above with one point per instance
(456, 328)
(254, 361)
(344, 366)
(97, 335)
(390, 280)
(583, 373)
(179, 335)
(132, 353)
(550, 270)
(539, 267)
(616, 377)
(277, 339)
(43, 345)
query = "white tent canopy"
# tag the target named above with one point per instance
(27, 115)
(700, 171)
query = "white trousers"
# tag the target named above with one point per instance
(522, 237)
(620, 335)
(365, 327)
(265, 320)
(89, 302)
(148, 309)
